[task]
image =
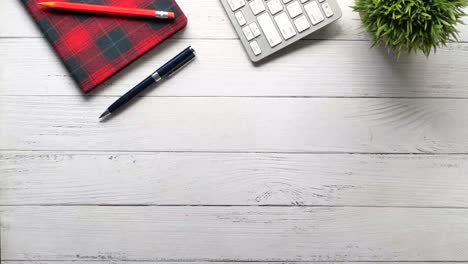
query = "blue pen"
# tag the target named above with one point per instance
(165, 71)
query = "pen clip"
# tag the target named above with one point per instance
(182, 66)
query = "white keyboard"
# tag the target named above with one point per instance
(267, 26)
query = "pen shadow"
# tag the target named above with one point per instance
(130, 103)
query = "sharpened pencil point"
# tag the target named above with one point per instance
(47, 4)
(106, 113)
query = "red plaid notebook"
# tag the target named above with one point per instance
(95, 47)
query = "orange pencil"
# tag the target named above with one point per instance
(108, 10)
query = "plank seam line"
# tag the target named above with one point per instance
(243, 152)
(234, 38)
(217, 39)
(242, 261)
(247, 96)
(237, 205)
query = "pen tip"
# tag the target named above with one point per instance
(106, 113)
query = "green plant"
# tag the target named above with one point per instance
(411, 25)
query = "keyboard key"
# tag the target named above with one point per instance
(269, 29)
(255, 30)
(313, 10)
(275, 6)
(267, 26)
(327, 9)
(255, 48)
(301, 23)
(257, 6)
(285, 26)
(294, 9)
(240, 18)
(248, 33)
(236, 4)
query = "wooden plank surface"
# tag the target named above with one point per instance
(191, 152)
(237, 125)
(207, 20)
(201, 262)
(233, 179)
(315, 68)
(234, 233)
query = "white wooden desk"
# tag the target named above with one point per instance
(330, 153)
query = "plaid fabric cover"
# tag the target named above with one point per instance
(95, 47)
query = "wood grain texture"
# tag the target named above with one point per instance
(199, 151)
(207, 20)
(314, 68)
(233, 179)
(199, 262)
(234, 233)
(236, 125)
